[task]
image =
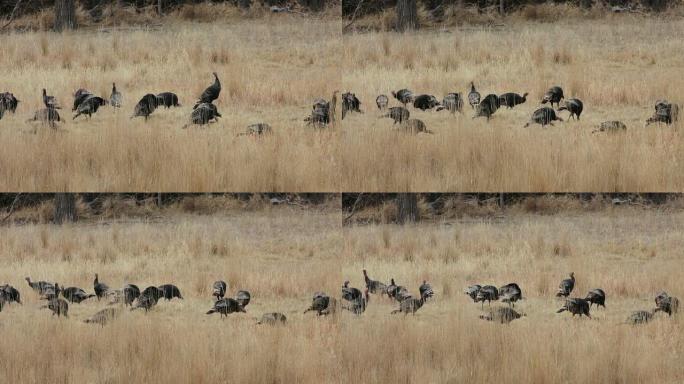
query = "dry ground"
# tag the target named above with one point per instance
(617, 66)
(630, 253)
(271, 71)
(281, 255)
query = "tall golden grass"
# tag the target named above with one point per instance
(618, 66)
(280, 254)
(631, 253)
(271, 71)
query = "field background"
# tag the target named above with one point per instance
(613, 64)
(630, 252)
(271, 69)
(280, 254)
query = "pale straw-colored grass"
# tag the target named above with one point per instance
(618, 67)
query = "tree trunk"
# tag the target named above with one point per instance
(407, 15)
(65, 208)
(407, 208)
(502, 9)
(160, 4)
(65, 15)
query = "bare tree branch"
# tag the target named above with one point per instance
(11, 16)
(11, 209)
(353, 19)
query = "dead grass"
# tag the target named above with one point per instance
(260, 63)
(281, 255)
(611, 64)
(629, 253)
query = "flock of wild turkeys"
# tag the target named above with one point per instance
(352, 299)
(665, 112)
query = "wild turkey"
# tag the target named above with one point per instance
(358, 305)
(75, 294)
(145, 301)
(382, 101)
(320, 114)
(153, 292)
(100, 288)
(576, 306)
(145, 106)
(414, 127)
(453, 102)
(543, 116)
(611, 126)
(350, 293)
(51, 292)
(40, 286)
(211, 93)
(169, 291)
(130, 293)
(116, 98)
(8, 102)
(89, 106)
(243, 297)
(574, 106)
(596, 296)
(219, 289)
(167, 99)
(425, 102)
(473, 96)
(322, 304)
(104, 316)
(350, 103)
(258, 129)
(503, 315)
(398, 114)
(10, 294)
(511, 99)
(666, 303)
(397, 292)
(204, 113)
(79, 96)
(566, 286)
(47, 116)
(487, 293)
(58, 307)
(510, 293)
(639, 317)
(665, 112)
(50, 101)
(405, 96)
(374, 286)
(225, 307)
(410, 305)
(553, 95)
(425, 290)
(472, 291)
(487, 106)
(272, 318)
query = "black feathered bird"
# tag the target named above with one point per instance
(167, 99)
(574, 106)
(212, 92)
(544, 116)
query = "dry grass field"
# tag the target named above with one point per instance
(632, 253)
(618, 66)
(271, 68)
(280, 254)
